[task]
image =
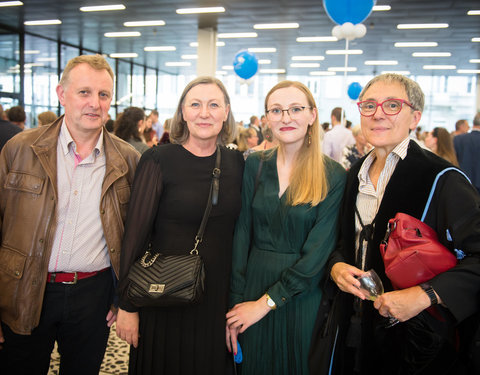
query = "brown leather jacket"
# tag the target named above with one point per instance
(28, 201)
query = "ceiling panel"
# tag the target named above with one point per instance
(87, 29)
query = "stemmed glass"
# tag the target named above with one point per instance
(371, 286)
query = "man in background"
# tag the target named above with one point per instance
(156, 125)
(64, 192)
(336, 139)
(255, 124)
(7, 129)
(17, 116)
(461, 127)
(467, 147)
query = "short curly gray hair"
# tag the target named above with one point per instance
(414, 92)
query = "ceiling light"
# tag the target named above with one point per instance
(422, 26)
(308, 58)
(474, 61)
(305, 65)
(268, 26)
(322, 73)
(42, 22)
(160, 48)
(29, 65)
(344, 52)
(415, 44)
(427, 67)
(189, 57)
(308, 39)
(29, 52)
(120, 55)
(468, 71)
(381, 8)
(402, 72)
(122, 34)
(227, 67)
(10, 3)
(473, 13)
(381, 62)
(262, 50)
(47, 59)
(272, 71)
(475, 39)
(201, 10)
(431, 54)
(264, 62)
(144, 23)
(237, 35)
(221, 73)
(178, 63)
(342, 69)
(101, 8)
(219, 44)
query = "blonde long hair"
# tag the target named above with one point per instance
(308, 182)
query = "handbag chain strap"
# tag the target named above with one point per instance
(212, 200)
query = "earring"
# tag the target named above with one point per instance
(309, 135)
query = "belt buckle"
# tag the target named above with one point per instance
(75, 279)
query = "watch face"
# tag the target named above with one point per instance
(270, 302)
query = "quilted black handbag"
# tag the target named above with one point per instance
(173, 280)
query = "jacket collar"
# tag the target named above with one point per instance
(45, 147)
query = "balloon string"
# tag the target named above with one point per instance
(345, 82)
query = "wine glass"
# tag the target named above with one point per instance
(371, 287)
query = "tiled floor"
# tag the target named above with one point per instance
(115, 360)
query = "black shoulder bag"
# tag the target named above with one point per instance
(173, 280)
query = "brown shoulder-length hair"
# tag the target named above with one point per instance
(445, 147)
(178, 127)
(308, 182)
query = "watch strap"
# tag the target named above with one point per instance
(427, 288)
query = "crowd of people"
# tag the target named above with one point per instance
(300, 211)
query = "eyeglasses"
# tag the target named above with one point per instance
(390, 107)
(276, 114)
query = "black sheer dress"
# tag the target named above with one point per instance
(167, 202)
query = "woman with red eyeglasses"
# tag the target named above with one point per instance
(397, 176)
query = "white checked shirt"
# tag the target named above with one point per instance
(79, 243)
(369, 198)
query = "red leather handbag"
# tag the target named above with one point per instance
(411, 251)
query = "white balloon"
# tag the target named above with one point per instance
(348, 30)
(360, 30)
(337, 32)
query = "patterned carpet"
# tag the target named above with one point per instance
(115, 360)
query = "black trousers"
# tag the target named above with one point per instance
(75, 317)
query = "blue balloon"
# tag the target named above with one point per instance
(354, 90)
(245, 64)
(354, 11)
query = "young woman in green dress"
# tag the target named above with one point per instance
(283, 237)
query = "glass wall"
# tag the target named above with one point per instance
(9, 69)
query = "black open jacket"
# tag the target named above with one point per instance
(455, 206)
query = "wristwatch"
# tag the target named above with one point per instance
(270, 302)
(427, 288)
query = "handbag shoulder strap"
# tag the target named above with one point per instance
(434, 185)
(212, 200)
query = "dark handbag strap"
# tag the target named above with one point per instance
(212, 200)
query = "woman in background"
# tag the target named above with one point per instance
(129, 125)
(283, 237)
(169, 195)
(440, 142)
(247, 139)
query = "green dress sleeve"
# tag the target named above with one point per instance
(318, 245)
(243, 228)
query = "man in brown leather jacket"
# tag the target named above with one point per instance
(64, 191)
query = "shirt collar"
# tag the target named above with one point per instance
(400, 151)
(67, 142)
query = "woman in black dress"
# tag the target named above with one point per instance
(168, 199)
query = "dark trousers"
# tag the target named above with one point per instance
(75, 317)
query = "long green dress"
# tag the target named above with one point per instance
(283, 253)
